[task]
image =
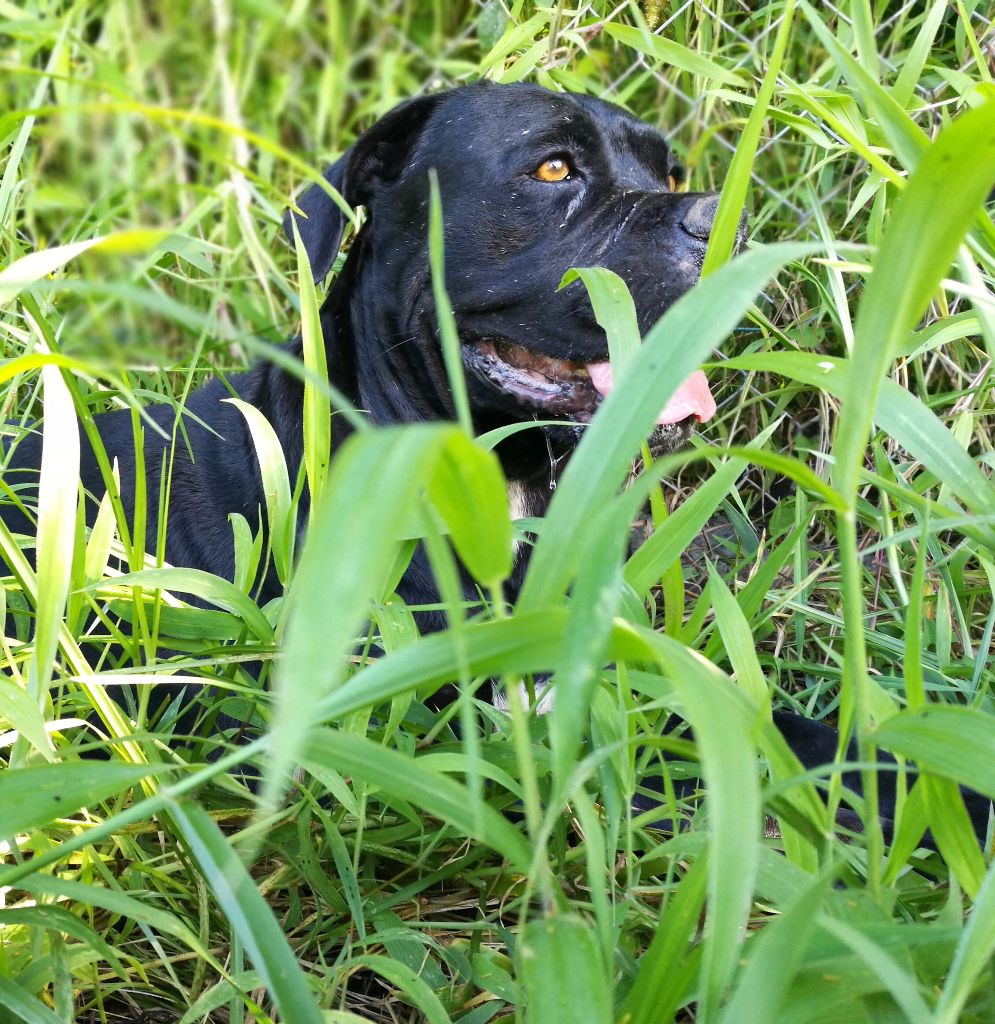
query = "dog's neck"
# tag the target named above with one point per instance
(377, 363)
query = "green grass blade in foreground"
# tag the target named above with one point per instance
(955, 742)
(57, 493)
(666, 543)
(384, 473)
(774, 957)
(119, 905)
(23, 714)
(928, 223)
(674, 347)
(562, 973)
(280, 519)
(401, 775)
(344, 565)
(737, 180)
(37, 265)
(918, 54)
(665, 970)
(205, 585)
(722, 718)
(974, 954)
(900, 983)
(249, 914)
(26, 1008)
(594, 601)
(468, 490)
(448, 335)
(953, 832)
(519, 645)
(55, 918)
(613, 309)
(317, 408)
(32, 797)
(226, 991)
(737, 641)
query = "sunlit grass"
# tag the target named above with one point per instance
(828, 545)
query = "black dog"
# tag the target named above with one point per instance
(532, 183)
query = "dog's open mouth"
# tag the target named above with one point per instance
(553, 387)
(560, 388)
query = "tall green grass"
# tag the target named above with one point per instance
(827, 544)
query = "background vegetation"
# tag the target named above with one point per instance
(841, 567)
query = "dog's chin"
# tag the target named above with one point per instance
(670, 437)
(536, 386)
(664, 439)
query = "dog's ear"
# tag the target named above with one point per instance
(321, 226)
(375, 158)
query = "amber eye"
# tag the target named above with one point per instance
(555, 169)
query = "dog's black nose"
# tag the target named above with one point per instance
(697, 221)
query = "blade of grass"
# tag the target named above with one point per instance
(729, 765)
(666, 969)
(201, 584)
(448, 335)
(667, 51)
(381, 472)
(280, 516)
(955, 742)
(27, 1009)
(594, 602)
(411, 984)
(896, 980)
(613, 309)
(57, 495)
(915, 60)
(738, 642)
(973, 956)
(775, 956)
(919, 244)
(249, 914)
(953, 832)
(31, 797)
(674, 347)
(562, 973)
(435, 792)
(737, 181)
(468, 489)
(317, 408)
(36, 265)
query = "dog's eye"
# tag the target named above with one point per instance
(554, 169)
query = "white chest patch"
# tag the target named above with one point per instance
(544, 697)
(518, 500)
(518, 507)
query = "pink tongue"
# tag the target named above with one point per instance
(692, 398)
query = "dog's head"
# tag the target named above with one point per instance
(532, 183)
